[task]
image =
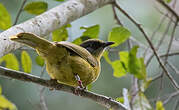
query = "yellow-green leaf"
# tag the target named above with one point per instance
(92, 31)
(5, 104)
(26, 62)
(5, 18)
(60, 34)
(167, 1)
(159, 105)
(118, 69)
(89, 87)
(11, 61)
(60, 0)
(120, 99)
(36, 8)
(105, 55)
(118, 35)
(79, 40)
(39, 60)
(124, 58)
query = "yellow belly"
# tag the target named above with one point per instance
(65, 69)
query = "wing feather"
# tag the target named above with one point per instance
(82, 52)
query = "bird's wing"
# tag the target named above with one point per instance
(82, 52)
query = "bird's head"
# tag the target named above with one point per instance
(96, 47)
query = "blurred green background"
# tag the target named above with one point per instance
(26, 95)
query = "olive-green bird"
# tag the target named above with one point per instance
(66, 62)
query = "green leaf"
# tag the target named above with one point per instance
(39, 60)
(60, 0)
(120, 99)
(136, 66)
(89, 33)
(159, 105)
(60, 34)
(118, 35)
(124, 58)
(26, 62)
(167, 1)
(105, 55)
(36, 8)
(5, 18)
(92, 31)
(5, 104)
(11, 61)
(118, 69)
(89, 87)
(79, 40)
(141, 102)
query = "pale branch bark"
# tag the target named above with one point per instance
(103, 100)
(47, 22)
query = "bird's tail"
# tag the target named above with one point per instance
(32, 40)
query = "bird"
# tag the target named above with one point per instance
(66, 62)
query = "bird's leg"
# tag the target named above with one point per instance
(79, 81)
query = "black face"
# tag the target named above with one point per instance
(93, 45)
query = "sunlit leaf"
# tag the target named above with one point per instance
(79, 40)
(167, 1)
(36, 8)
(92, 31)
(106, 57)
(118, 35)
(89, 33)
(39, 60)
(11, 61)
(5, 104)
(60, 34)
(141, 102)
(26, 62)
(118, 69)
(60, 0)
(120, 99)
(124, 58)
(89, 87)
(5, 18)
(136, 66)
(159, 106)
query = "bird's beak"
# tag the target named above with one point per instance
(108, 44)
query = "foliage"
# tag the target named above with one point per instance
(60, 34)
(5, 104)
(5, 18)
(10, 61)
(26, 62)
(36, 8)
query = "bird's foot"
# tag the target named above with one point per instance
(78, 89)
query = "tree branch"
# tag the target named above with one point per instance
(103, 100)
(50, 20)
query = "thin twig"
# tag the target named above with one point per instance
(151, 46)
(100, 99)
(173, 67)
(172, 95)
(19, 12)
(115, 15)
(170, 54)
(168, 8)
